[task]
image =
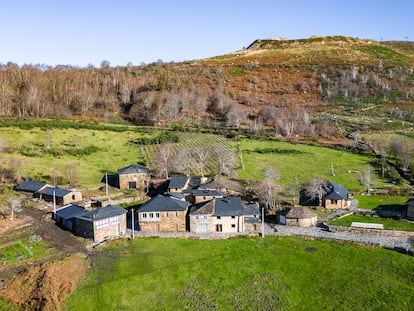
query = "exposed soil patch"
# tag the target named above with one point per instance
(45, 286)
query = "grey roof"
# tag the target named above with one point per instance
(70, 211)
(177, 195)
(337, 192)
(161, 203)
(178, 182)
(30, 186)
(204, 193)
(59, 192)
(410, 201)
(211, 185)
(195, 181)
(103, 213)
(133, 169)
(252, 220)
(231, 206)
(300, 213)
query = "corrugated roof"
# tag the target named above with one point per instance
(162, 203)
(103, 213)
(59, 192)
(133, 169)
(30, 186)
(231, 206)
(178, 182)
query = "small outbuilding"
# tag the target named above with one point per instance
(410, 208)
(60, 195)
(299, 217)
(30, 186)
(65, 216)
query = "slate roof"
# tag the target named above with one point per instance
(103, 213)
(410, 201)
(177, 195)
(178, 182)
(195, 181)
(337, 192)
(30, 186)
(211, 185)
(231, 206)
(161, 203)
(70, 211)
(204, 193)
(133, 169)
(300, 213)
(203, 208)
(59, 192)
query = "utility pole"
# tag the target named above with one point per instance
(262, 222)
(132, 223)
(54, 204)
(106, 183)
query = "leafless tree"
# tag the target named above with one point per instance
(13, 205)
(71, 173)
(182, 160)
(235, 116)
(55, 177)
(200, 159)
(292, 190)
(77, 141)
(225, 159)
(15, 165)
(162, 160)
(267, 194)
(365, 179)
(404, 149)
(316, 189)
(271, 173)
(48, 139)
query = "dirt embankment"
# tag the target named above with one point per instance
(45, 286)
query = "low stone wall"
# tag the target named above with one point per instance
(394, 233)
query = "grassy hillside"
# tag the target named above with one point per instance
(245, 274)
(94, 152)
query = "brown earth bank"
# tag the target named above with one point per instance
(45, 286)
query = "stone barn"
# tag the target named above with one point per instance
(299, 217)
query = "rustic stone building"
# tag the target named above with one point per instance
(299, 217)
(102, 223)
(62, 196)
(134, 177)
(163, 213)
(224, 215)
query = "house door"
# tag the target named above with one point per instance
(202, 228)
(132, 185)
(219, 228)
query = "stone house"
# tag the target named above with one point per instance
(179, 183)
(134, 177)
(196, 196)
(101, 223)
(299, 217)
(335, 196)
(62, 196)
(410, 209)
(163, 213)
(224, 215)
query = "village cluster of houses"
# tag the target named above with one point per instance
(190, 204)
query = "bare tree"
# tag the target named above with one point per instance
(225, 159)
(404, 149)
(182, 160)
(271, 173)
(365, 179)
(13, 205)
(15, 165)
(201, 158)
(162, 160)
(292, 190)
(316, 189)
(55, 177)
(71, 173)
(267, 194)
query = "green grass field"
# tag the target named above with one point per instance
(303, 162)
(245, 274)
(389, 224)
(382, 201)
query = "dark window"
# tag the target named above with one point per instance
(218, 217)
(233, 217)
(233, 226)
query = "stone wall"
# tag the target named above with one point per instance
(167, 222)
(394, 233)
(110, 231)
(141, 179)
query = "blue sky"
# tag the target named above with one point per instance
(82, 32)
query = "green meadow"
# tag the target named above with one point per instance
(245, 274)
(389, 223)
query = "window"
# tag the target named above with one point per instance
(166, 214)
(73, 197)
(233, 217)
(218, 217)
(176, 214)
(205, 216)
(219, 228)
(233, 226)
(334, 201)
(157, 215)
(197, 217)
(144, 215)
(151, 215)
